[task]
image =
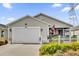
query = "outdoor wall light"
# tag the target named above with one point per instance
(49, 26)
(10, 30)
(25, 25)
(41, 29)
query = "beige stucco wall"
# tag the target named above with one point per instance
(52, 22)
(32, 23)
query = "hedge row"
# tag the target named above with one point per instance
(53, 48)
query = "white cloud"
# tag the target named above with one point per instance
(7, 5)
(65, 9)
(73, 16)
(77, 7)
(56, 5)
(3, 18)
(6, 20)
(11, 19)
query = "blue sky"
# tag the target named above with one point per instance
(12, 11)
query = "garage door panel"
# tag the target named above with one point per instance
(25, 35)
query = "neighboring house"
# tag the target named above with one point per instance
(35, 29)
(3, 32)
(75, 30)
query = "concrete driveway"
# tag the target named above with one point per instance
(20, 50)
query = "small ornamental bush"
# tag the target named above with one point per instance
(3, 42)
(74, 46)
(50, 49)
(53, 47)
(43, 50)
(74, 36)
(59, 49)
(64, 47)
(6, 41)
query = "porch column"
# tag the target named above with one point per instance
(77, 37)
(69, 34)
(59, 39)
(63, 34)
(8, 33)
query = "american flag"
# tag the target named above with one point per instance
(54, 29)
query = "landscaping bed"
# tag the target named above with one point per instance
(3, 42)
(63, 49)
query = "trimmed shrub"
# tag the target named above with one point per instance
(50, 49)
(74, 36)
(64, 47)
(43, 50)
(53, 47)
(6, 41)
(74, 46)
(3, 42)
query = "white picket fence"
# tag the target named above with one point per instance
(66, 40)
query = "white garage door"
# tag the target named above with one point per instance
(26, 35)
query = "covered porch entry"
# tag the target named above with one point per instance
(62, 34)
(59, 31)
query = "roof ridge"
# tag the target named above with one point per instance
(52, 18)
(25, 17)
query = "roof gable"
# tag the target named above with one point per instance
(24, 18)
(41, 14)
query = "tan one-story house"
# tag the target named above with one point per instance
(3, 32)
(62, 28)
(35, 29)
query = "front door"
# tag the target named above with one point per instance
(60, 32)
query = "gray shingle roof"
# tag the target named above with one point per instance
(53, 19)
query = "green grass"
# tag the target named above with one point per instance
(55, 38)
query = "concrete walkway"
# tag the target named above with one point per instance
(20, 50)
